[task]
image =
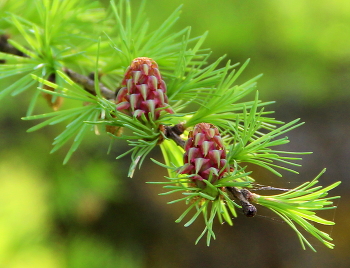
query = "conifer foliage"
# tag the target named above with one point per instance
(161, 88)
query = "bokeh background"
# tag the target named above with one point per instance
(89, 214)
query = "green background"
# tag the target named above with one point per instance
(89, 214)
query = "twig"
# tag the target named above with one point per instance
(260, 187)
(6, 47)
(89, 84)
(243, 196)
(174, 133)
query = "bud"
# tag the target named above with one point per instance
(115, 130)
(57, 103)
(143, 90)
(205, 155)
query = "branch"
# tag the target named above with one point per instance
(244, 196)
(174, 133)
(89, 84)
(6, 47)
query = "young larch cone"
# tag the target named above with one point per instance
(143, 90)
(205, 155)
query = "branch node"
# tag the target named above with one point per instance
(174, 132)
(245, 197)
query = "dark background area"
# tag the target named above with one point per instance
(87, 213)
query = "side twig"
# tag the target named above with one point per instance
(6, 47)
(174, 132)
(89, 84)
(243, 196)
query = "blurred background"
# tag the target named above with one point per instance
(89, 214)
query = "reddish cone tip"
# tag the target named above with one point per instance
(205, 154)
(143, 90)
